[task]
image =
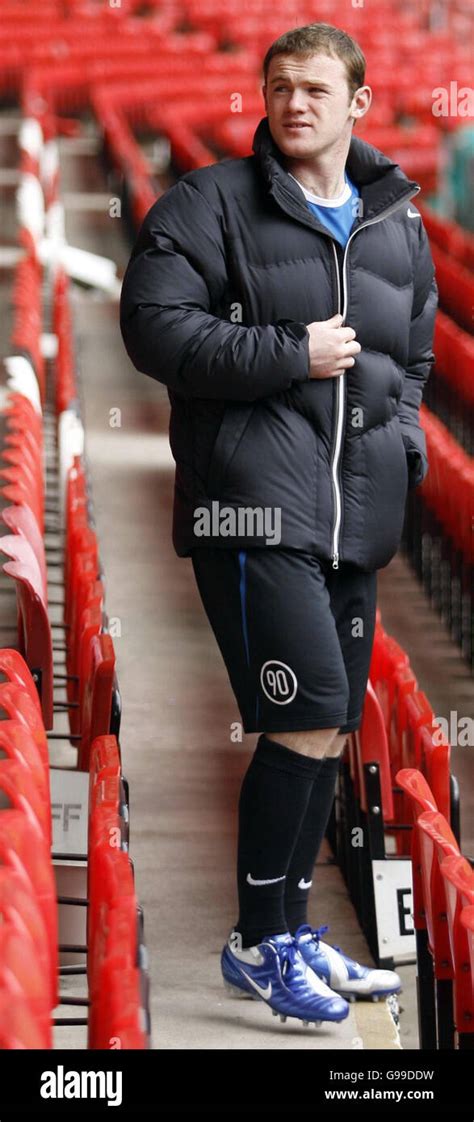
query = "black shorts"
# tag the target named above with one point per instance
(295, 634)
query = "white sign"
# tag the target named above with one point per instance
(70, 813)
(69, 810)
(393, 890)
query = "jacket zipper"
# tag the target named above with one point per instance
(336, 457)
(337, 442)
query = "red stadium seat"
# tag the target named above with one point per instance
(449, 236)
(19, 907)
(33, 622)
(110, 883)
(97, 672)
(18, 743)
(420, 799)
(88, 615)
(18, 704)
(17, 671)
(21, 520)
(434, 763)
(418, 715)
(23, 848)
(108, 793)
(458, 880)
(387, 657)
(89, 622)
(112, 940)
(467, 921)
(66, 383)
(19, 1025)
(454, 350)
(81, 543)
(17, 784)
(104, 758)
(116, 1015)
(403, 684)
(27, 325)
(451, 472)
(437, 841)
(21, 975)
(372, 747)
(16, 490)
(456, 288)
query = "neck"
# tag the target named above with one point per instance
(324, 174)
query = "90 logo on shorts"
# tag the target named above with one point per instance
(278, 682)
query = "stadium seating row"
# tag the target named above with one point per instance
(450, 391)
(44, 491)
(438, 531)
(443, 893)
(397, 772)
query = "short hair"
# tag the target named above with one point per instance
(321, 38)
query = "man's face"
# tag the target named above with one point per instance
(307, 103)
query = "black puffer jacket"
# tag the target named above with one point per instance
(229, 267)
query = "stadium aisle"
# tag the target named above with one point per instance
(177, 704)
(183, 769)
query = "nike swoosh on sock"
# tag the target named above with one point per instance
(250, 880)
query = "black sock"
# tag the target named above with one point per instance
(273, 800)
(309, 841)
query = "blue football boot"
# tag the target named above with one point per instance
(275, 972)
(341, 973)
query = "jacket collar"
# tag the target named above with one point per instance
(381, 182)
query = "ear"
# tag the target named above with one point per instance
(361, 102)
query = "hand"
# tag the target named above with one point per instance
(331, 347)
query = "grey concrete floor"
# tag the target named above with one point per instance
(183, 768)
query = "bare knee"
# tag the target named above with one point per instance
(311, 742)
(337, 745)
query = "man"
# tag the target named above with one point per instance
(287, 300)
